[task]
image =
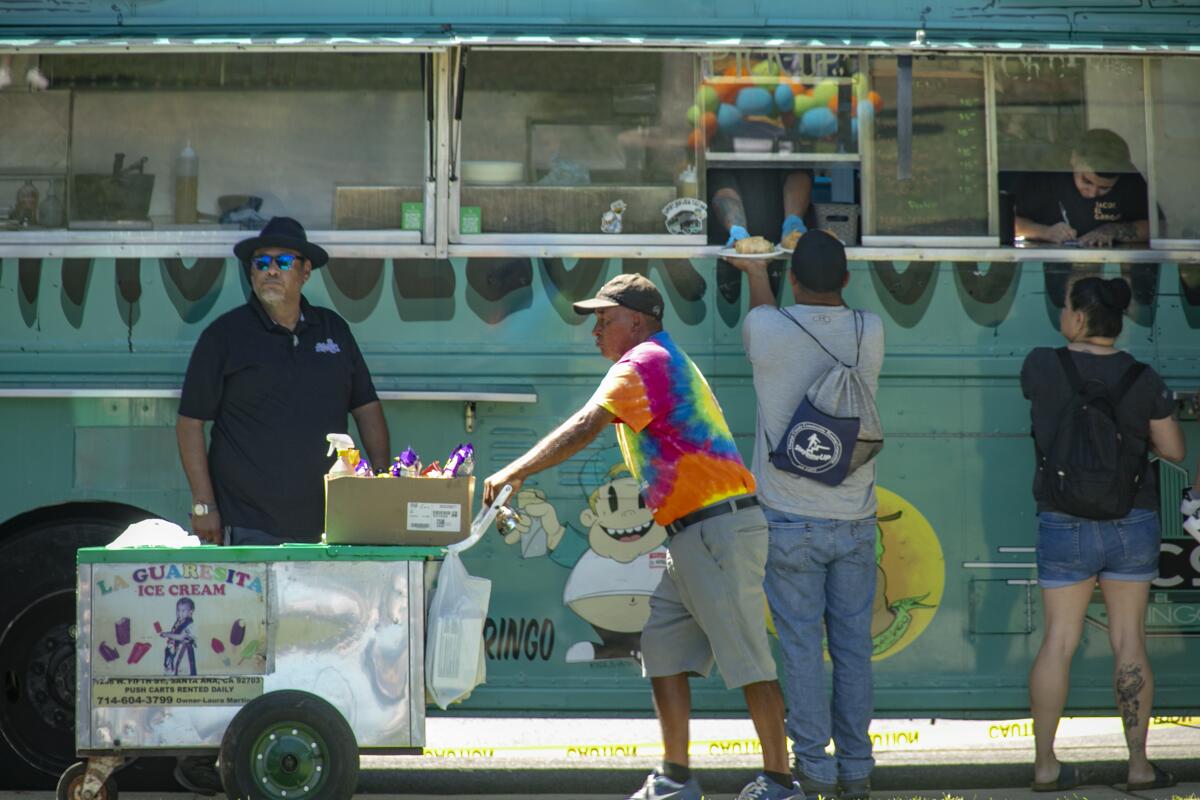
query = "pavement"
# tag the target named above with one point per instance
(606, 759)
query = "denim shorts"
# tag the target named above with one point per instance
(1073, 549)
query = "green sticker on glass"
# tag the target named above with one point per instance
(412, 216)
(470, 220)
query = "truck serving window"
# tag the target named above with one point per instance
(1071, 150)
(929, 150)
(190, 142)
(575, 143)
(1175, 149)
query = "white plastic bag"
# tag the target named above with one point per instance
(454, 644)
(454, 661)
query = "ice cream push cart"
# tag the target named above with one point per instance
(286, 661)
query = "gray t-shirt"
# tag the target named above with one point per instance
(786, 362)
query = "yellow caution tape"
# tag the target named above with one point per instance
(886, 735)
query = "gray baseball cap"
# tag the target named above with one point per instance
(629, 290)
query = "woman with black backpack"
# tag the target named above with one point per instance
(1097, 414)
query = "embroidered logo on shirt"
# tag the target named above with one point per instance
(328, 346)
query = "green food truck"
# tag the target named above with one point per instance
(473, 169)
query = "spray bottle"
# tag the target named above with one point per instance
(344, 445)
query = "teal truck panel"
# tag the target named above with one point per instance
(956, 522)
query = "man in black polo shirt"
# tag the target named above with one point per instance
(274, 376)
(1102, 201)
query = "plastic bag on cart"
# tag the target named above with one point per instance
(454, 649)
(454, 661)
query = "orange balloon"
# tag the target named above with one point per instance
(727, 91)
(710, 124)
(875, 99)
(833, 104)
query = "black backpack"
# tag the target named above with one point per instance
(1093, 468)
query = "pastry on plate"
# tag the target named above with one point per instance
(753, 244)
(789, 241)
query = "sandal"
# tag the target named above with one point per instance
(1068, 778)
(1162, 779)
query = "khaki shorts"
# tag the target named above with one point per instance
(710, 603)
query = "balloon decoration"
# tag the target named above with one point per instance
(760, 100)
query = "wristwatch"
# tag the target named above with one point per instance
(202, 509)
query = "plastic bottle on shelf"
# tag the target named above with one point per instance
(187, 184)
(50, 212)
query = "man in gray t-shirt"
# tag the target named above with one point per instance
(820, 575)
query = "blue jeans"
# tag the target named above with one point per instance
(822, 571)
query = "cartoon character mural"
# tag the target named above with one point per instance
(908, 565)
(616, 561)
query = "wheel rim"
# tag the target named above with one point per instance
(37, 665)
(289, 760)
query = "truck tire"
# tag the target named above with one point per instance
(37, 648)
(292, 745)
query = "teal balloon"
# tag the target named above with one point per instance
(754, 101)
(817, 123)
(785, 99)
(728, 119)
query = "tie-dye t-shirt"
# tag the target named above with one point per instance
(672, 433)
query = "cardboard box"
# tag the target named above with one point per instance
(392, 511)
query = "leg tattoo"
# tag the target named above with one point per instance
(1130, 683)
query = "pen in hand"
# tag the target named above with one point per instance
(1063, 210)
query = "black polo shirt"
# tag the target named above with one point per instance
(1038, 195)
(272, 396)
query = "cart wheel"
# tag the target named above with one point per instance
(289, 744)
(70, 785)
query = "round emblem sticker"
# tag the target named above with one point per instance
(813, 448)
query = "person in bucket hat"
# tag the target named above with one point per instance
(271, 375)
(708, 604)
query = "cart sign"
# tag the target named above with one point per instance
(233, 690)
(179, 620)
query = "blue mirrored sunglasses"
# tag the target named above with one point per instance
(284, 261)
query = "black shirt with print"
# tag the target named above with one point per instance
(272, 395)
(1038, 195)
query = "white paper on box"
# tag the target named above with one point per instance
(440, 517)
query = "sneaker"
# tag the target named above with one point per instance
(199, 775)
(859, 789)
(763, 788)
(660, 787)
(815, 789)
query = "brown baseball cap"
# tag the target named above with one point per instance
(629, 290)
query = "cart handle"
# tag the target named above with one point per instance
(482, 522)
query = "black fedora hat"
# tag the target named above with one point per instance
(282, 232)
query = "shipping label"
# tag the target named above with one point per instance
(437, 517)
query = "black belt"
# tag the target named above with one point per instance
(715, 510)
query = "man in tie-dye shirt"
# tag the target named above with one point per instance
(709, 604)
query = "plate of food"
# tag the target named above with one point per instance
(754, 247)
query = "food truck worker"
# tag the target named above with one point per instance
(709, 602)
(760, 202)
(274, 376)
(1102, 201)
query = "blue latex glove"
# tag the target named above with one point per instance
(735, 233)
(792, 223)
